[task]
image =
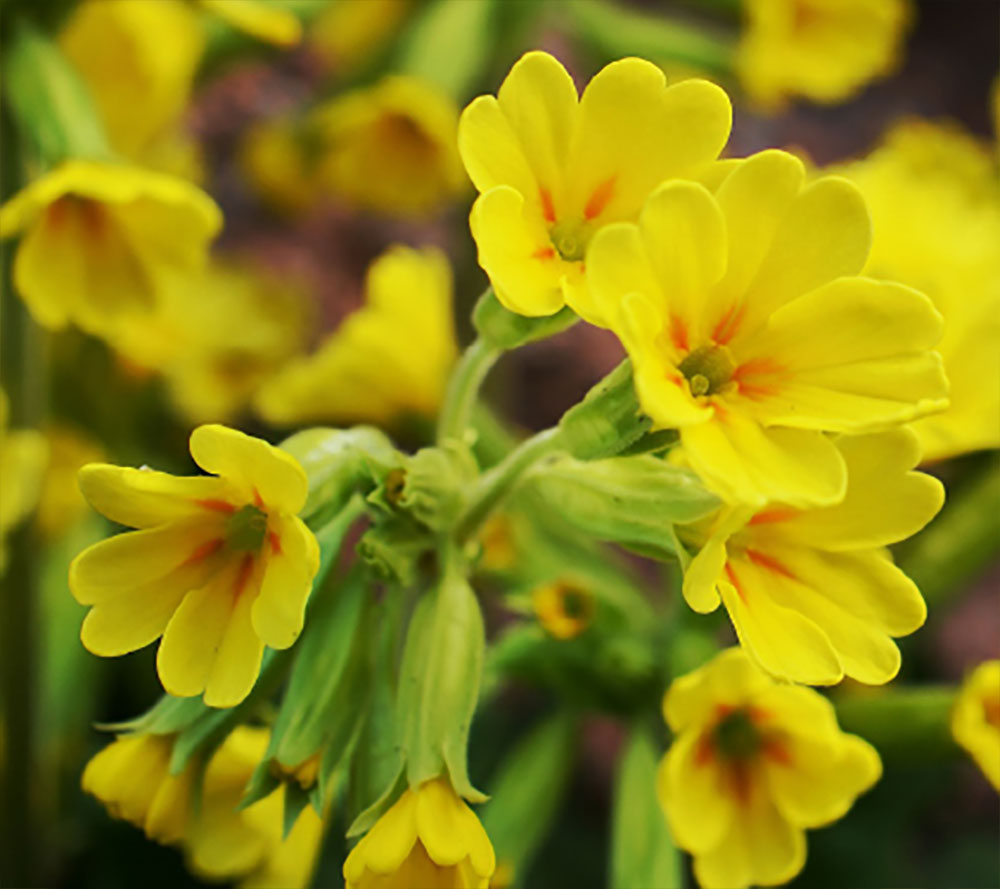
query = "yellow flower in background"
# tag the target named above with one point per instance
(279, 161)
(23, 458)
(934, 195)
(564, 609)
(813, 593)
(429, 838)
(750, 332)
(552, 168)
(99, 239)
(220, 567)
(754, 763)
(138, 60)
(390, 359)
(262, 19)
(348, 33)
(390, 147)
(975, 719)
(61, 504)
(822, 50)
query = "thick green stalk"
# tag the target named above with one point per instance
(463, 388)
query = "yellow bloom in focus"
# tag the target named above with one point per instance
(934, 196)
(429, 838)
(823, 50)
(975, 719)
(99, 239)
(348, 33)
(23, 457)
(750, 332)
(391, 358)
(391, 147)
(552, 168)
(813, 593)
(61, 504)
(563, 609)
(220, 567)
(261, 19)
(753, 764)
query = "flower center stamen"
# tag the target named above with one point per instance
(246, 529)
(707, 369)
(570, 240)
(736, 737)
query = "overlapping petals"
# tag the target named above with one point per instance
(975, 718)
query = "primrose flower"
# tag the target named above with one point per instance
(429, 838)
(750, 332)
(390, 147)
(99, 240)
(935, 202)
(813, 593)
(564, 609)
(265, 21)
(277, 161)
(823, 50)
(220, 567)
(349, 33)
(975, 718)
(552, 168)
(752, 765)
(23, 458)
(368, 370)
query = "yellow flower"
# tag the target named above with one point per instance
(751, 333)
(139, 61)
(754, 763)
(276, 159)
(429, 838)
(221, 567)
(824, 50)
(935, 201)
(389, 359)
(262, 19)
(391, 147)
(552, 168)
(975, 719)
(563, 609)
(61, 504)
(813, 593)
(346, 34)
(23, 458)
(99, 239)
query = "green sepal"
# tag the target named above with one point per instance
(395, 548)
(263, 782)
(506, 330)
(608, 420)
(657, 442)
(367, 818)
(167, 716)
(643, 853)
(296, 799)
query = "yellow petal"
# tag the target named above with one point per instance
(440, 822)
(258, 19)
(279, 609)
(133, 619)
(127, 774)
(387, 845)
(237, 660)
(170, 811)
(729, 678)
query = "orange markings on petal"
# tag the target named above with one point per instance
(258, 501)
(275, 542)
(780, 514)
(204, 550)
(216, 505)
(705, 752)
(599, 199)
(744, 376)
(729, 324)
(548, 208)
(734, 580)
(679, 332)
(544, 253)
(768, 562)
(246, 569)
(775, 749)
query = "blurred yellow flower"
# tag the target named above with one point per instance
(23, 457)
(62, 505)
(347, 33)
(754, 763)
(564, 609)
(975, 719)
(822, 50)
(221, 567)
(262, 19)
(750, 331)
(391, 147)
(279, 162)
(99, 239)
(390, 359)
(429, 838)
(552, 168)
(934, 195)
(814, 594)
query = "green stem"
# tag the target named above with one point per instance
(494, 485)
(463, 387)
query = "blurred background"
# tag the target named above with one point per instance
(324, 148)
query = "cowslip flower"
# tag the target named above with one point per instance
(552, 168)
(823, 50)
(754, 763)
(813, 593)
(975, 718)
(368, 370)
(429, 838)
(220, 567)
(390, 147)
(751, 333)
(563, 609)
(347, 34)
(24, 456)
(100, 239)
(935, 203)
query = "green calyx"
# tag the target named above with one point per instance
(246, 529)
(736, 737)
(708, 369)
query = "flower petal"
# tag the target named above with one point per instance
(441, 822)
(279, 609)
(389, 843)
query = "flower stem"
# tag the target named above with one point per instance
(466, 380)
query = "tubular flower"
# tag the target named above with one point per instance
(752, 765)
(391, 147)
(99, 239)
(23, 457)
(552, 168)
(429, 838)
(750, 332)
(813, 593)
(220, 567)
(975, 719)
(935, 205)
(824, 50)
(368, 369)
(262, 20)
(564, 609)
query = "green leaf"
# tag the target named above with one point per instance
(506, 330)
(296, 799)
